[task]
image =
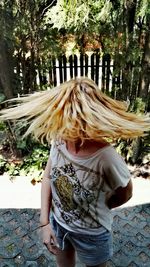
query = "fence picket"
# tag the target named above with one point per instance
(81, 65)
(92, 66)
(107, 73)
(103, 74)
(75, 66)
(71, 66)
(54, 71)
(86, 64)
(60, 70)
(97, 69)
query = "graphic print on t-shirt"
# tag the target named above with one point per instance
(74, 198)
(65, 192)
(79, 186)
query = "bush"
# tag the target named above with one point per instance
(31, 165)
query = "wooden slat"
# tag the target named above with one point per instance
(65, 67)
(54, 71)
(71, 66)
(97, 68)
(92, 66)
(60, 69)
(103, 74)
(50, 74)
(81, 64)
(86, 65)
(107, 58)
(50, 77)
(75, 66)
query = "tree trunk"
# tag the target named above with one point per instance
(129, 21)
(144, 82)
(6, 71)
(145, 67)
(6, 49)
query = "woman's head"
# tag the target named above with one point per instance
(77, 109)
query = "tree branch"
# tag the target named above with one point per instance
(47, 8)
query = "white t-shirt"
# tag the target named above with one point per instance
(79, 186)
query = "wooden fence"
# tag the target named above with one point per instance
(100, 69)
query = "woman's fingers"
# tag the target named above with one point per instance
(51, 246)
(53, 241)
(49, 240)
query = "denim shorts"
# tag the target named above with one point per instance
(91, 249)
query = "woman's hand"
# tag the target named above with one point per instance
(120, 196)
(49, 239)
(107, 198)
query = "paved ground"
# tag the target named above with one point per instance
(20, 244)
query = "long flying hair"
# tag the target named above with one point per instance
(76, 109)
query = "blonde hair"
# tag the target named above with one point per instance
(76, 109)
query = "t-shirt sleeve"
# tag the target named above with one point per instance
(115, 171)
(52, 149)
(54, 153)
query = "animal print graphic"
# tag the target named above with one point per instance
(65, 192)
(74, 198)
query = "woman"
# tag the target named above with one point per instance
(84, 178)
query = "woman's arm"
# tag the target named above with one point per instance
(120, 196)
(48, 236)
(46, 195)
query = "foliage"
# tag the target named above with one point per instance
(138, 105)
(2, 97)
(32, 157)
(134, 151)
(36, 31)
(2, 126)
(3, 163)
(78, 14)
(31, 165)
(38, 34)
